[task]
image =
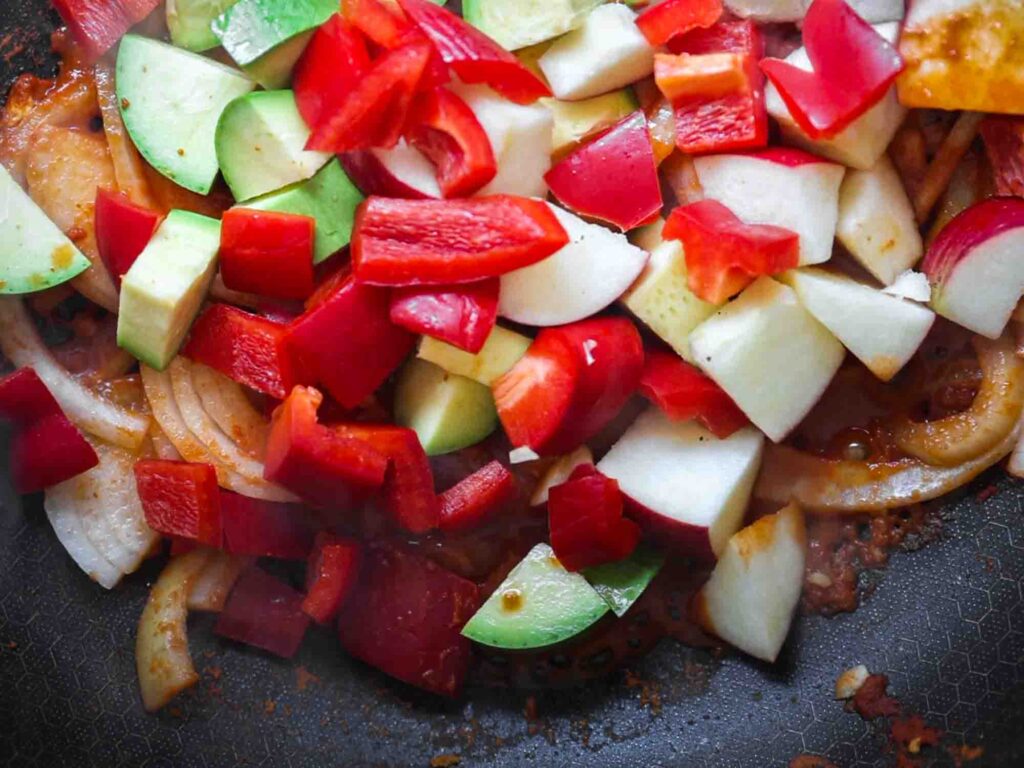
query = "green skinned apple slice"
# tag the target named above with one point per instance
(170, 101)
(620, 584)
(518, 23)
(539, 604)
(189, 22)
(34, 253)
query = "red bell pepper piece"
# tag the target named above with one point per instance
(97, 24)
(586, 522)
(345, 341)
(385, 25)
(180, 499)
(331, 576)
(406, 618)
(471, 501)
(262, 528)
(462, 315)
(24, 398)
(853, 67)
(436, 242)
(445, 129)
(710, 75)
(1004, 144)
(123, 230)
(329, 69)
(374, 112)
(242, 346)
(682, 392)
(316, 462)
(572, 381)
(613, 178)
(472, 55)
(736, 119)
(408, 491)
(267, 253)
(723, 254)
(264, 612)
(661, 22)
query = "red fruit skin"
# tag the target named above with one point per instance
(259, 528)
(462, 315)
(331, 576)
(373, 178)
(24, 397)
(473, 500)
(586, 522)
(123, 230)
(613, 178)
(966, 231)
(682, 538)
(180, 499)
(405, 619)
(47, 451)
(329, 69)
(264, 612)
(1004, 144)
(267, 253)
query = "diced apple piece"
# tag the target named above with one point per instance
(754, 589)
(584, 277)
(499, 353)
(684, 485)
(861, 143)
(402, 171)
(783, 187)
(911, 285)
(769, 354)
(882, 331)
(559, 472)
(963, 54)
(606, 53)
(876, 221)
(976, 266)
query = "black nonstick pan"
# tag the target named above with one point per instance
(945, 623)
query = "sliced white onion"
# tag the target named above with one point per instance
(225, 402)
(210, 589)
(21, 344)
(67, 524)
(162, 446)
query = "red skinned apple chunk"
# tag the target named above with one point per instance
(405, 618)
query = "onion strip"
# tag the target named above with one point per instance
(225, 402)
(945, 162)
(20, 343)
(68, 526)
(210, 590)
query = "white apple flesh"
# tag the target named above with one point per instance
(684, 485)
(402, 171)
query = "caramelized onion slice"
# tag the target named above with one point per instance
(226, 403)
(210, 589)
(162, 657)
(994, 413)
(70, 530)
(128, 164)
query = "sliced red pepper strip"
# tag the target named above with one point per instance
(314, 461)
(265, 613)
(613, 178)
(444, 128)
(462, 315)
(331, 575)
(586, 522)
(572, 381)
(660, 23)
(1004, 144)
(346, 341)
(475, 498)
(436, 242)
(97, 24)
(723, 254)
(408, 491)
(682, 392)
(180, 499)
(329, 69)
(262, 528)
(242, 346)
(472, 55)
(267, 253)
(853, 67)
(374, 112)
(24, 397)
(123, 230)
(385, 25)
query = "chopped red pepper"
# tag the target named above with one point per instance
(408, 491)
(472, 55)
(682, 392)
(384, 24)
(586, 522)
(267, 253)
(445, 129)
(462, 315)
(729, 36)
(315, 461)
(264, 612)
(613, 178)
(265, 528)
(723, 254)
(123, 230)
(331, 575)
(853, 67)
(180, 499)
(374, 112)
(1004, 144)
(708, 75)
(97, 24)
(24, 398)
(661, 22)
(436, 242)
(572, 381)
(406, 618)
(242, 346)
(475, 498)
(345, 341)
(329, 69)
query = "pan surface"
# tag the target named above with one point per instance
(946, 624)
